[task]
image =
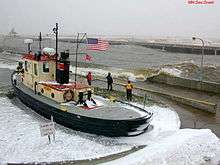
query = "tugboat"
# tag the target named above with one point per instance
(43, 85)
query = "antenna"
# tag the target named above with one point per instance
(55, 30)
(40, 39)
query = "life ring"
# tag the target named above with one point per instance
(68, 95)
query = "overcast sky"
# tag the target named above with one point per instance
(111, 17)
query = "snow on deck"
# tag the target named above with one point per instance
(53, 84)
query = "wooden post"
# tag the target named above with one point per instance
(49, 138)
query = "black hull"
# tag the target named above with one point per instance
(111, 128)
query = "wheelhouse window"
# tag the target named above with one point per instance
(45, 67)
(35, 69)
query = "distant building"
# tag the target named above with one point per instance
(13, 33)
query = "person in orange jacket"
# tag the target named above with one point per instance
(129, 86)
(89, 78)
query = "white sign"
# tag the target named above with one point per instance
(47, 129)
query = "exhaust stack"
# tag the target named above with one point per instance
(62, 70)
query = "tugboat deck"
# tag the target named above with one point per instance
(108, 111)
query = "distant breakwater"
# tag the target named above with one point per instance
(182, 48)
(169, 47)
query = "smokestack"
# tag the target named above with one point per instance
(63, 65)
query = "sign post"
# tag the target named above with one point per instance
(53, 127)
(145, 99)
(46, 129)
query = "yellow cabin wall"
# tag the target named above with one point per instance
(30, 78)
(58, 95)
(28, 75)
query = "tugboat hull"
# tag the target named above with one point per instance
(111, 128)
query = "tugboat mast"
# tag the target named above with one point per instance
(77, 48)
(55, 30)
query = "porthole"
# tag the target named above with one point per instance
(52, 95)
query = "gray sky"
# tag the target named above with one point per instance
(111, 17)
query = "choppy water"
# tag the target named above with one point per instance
(120, 56)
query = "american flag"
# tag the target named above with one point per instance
(87, 57)
(97, 44)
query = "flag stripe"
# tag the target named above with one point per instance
(97, 44)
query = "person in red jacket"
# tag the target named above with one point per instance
(89, 78)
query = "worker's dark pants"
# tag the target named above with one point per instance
(15, 82)
(129, 94)
(109, 87)
(89, 82)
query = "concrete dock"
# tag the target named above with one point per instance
(190, 116)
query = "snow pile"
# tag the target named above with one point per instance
(94, 71)
(164, 122)
(102, 72)
(7, 66)
(186, 146)
(20, 139)
(167, 144)
(172, 71)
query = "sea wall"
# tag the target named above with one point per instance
(181, 48)
(187, 83)
(199, 104)
(203, 105)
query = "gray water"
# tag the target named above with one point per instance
(119, 56)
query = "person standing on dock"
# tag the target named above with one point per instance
(89, 78)
(109, 82)
(129, 86)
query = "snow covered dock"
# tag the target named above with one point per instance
(20, 140)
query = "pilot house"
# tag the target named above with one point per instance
(50, 77)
